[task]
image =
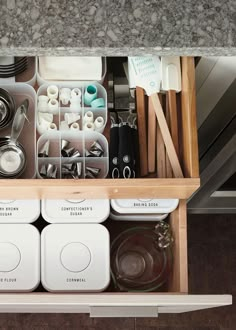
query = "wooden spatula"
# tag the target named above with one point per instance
(171, 82)
(161, 151)
(147, 76)
(152, 126)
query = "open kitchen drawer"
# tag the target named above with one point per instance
(175, 299)
(107, 304)
(132, 188)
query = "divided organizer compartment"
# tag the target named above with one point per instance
(42, 81)
(80, 141)
(28, 76)
(21, 91)
(59, 115)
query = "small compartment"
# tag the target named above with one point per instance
(42, 81)
(99, 118)
(68, 151)
(75, 113)
(96, 168)
(78, 91)
(27, 138)
(73, 141)
(49, 168)
(28, 75)
(94, 89)
(49, 145)
(91, 137)
(68, 118)
(72, 168)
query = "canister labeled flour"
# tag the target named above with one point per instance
(19, 258)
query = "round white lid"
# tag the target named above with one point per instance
(9, 257)
(75, 257)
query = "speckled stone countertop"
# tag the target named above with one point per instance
(118, 27)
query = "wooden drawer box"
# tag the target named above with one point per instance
(108, 304)
(132, 188)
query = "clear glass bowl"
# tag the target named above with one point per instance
(137, 261)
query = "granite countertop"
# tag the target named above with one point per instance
(118, 27)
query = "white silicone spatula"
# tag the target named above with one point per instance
(171, 82)
(147, 75)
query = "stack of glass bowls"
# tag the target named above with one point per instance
(141, 258)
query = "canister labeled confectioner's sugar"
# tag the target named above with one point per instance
(75, 210)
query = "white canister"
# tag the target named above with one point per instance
(19, 258)
(134, 206)
(19, 211)
(137, 217)
(75, 210)
(75, 257)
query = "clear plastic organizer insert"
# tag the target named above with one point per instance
(27, 138)
(42, 81)
(59, 115)
(79, 141)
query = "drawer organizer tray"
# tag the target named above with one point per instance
(97, 112)
(80, 141)
(174, 299)
(42, 81)
(148, 187)
(27, 138)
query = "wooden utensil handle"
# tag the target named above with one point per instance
(142, 133)
(173, 119)
(169, 172)
(151, 138)
(160, 149)
(170, 149)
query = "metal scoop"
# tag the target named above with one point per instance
(12, 153)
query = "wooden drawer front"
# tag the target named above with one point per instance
(132, 188)
(175, 300)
